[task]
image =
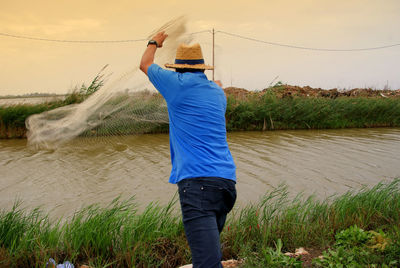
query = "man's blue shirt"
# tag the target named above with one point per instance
(196, 109)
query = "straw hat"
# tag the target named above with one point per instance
(189, 56)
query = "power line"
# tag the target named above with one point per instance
(306, 48)
(85, 41)
(71, 41)
(205, 31)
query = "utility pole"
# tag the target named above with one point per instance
(213, 55)
(231, 75)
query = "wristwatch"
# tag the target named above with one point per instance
(152, 42)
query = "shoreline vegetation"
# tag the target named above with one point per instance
(279, 107)
(33, 95)
(356, 229)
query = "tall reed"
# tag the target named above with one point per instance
(268, 112)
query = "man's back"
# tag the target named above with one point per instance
(196, 108)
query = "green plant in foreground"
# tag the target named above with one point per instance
(378, 240)
(355, 247)
(268, 257)
(352, 237)
(341, 258)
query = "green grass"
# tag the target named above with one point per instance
(120, 236)
(257, 112)
(268, 112)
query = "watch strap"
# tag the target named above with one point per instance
(152, 42)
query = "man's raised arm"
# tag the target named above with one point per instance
(148, 55)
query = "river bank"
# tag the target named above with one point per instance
(356, 228)
(278, 107)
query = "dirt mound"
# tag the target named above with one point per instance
(237, 92)
(284, 91)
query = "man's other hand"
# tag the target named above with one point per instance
(159, 38)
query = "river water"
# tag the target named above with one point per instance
(96, 170)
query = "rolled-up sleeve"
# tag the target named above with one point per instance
(165, 81)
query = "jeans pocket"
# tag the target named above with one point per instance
(189, 197)
(212, 197)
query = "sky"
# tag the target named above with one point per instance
(28, 66)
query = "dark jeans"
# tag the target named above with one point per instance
(204, 204)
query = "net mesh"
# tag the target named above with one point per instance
(125, 106)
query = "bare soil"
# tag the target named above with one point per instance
(313, 254)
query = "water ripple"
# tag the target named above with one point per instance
(320, 162)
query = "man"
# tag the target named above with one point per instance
(202, 164)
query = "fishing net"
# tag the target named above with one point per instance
(128, 105)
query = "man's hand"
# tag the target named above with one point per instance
(148, 55)
(159, 38)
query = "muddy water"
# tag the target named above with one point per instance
(86, 171)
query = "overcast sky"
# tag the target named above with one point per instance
(38, 66)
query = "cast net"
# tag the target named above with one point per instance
(128, 105)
